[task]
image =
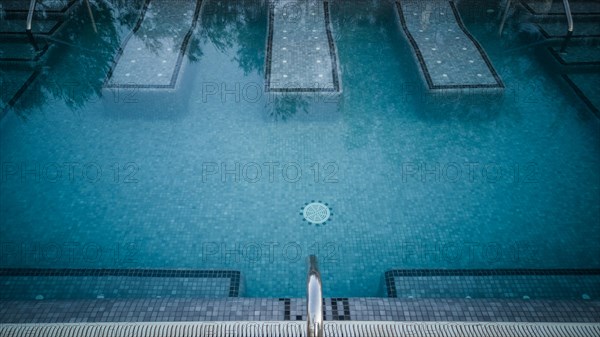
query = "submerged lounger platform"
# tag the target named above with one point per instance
(449, 56)
(152, 54)
(301, 55)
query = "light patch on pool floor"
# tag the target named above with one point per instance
(316, 212)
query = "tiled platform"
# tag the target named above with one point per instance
(579, 7)
(269, 309)
(68, 284)
(449, 57)
(494, 284)
(152, 54)
(301, 54)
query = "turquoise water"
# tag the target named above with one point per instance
(414, 180)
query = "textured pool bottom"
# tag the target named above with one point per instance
(361, 329)
(293, 309)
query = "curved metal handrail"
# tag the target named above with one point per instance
(314, 299)
(30, 15)
(504, 17)
(32, 4)
(570, 27)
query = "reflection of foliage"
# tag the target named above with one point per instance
(76, 67)
(83, 59)
(77, 63)
(226, 23)
(285, 105)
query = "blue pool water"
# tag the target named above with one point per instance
(217, 178)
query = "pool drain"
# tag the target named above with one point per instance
(316, 212)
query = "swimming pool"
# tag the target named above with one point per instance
(218, 177)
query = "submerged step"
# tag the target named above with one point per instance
(556, 27)
(13, 82)
(301, 54)
(21, 50)
(578, 54)
(556, 7)
(48, 6)
(17, 26)
(587, 87)
(563, 284)
(69, 284)
(152, 54)
(449, 56)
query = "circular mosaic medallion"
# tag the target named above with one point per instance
(316, 213)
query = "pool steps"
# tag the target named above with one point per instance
(579, 65)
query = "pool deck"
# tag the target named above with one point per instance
(293, 309)
(449, 56)
(301, 54)
(150, 58)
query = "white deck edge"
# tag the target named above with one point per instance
(297, 328)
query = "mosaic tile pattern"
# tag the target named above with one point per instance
(334, 309)
(62, 284)
(152, 54)
(494, 284)
(555, 7)
(270, 309)
(447, 53)
(301, 55)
